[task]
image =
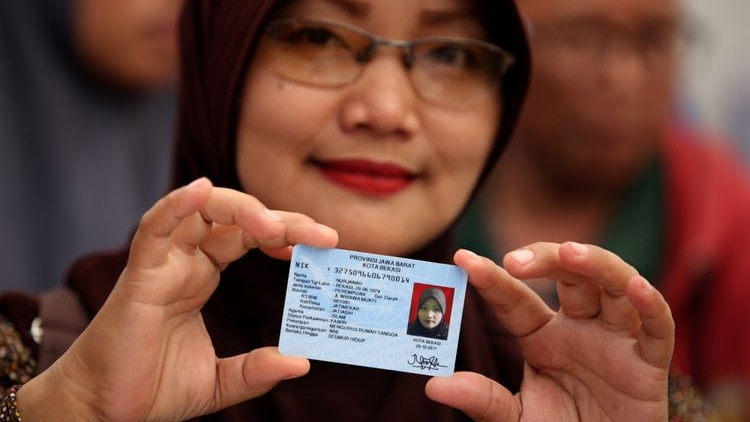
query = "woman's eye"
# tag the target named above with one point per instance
(314, 36)
(452, 55)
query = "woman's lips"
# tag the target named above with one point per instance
(366, 176)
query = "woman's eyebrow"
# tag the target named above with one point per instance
(355, 8)
(460, 17)
(440, 16)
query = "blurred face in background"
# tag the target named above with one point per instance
(602, 86)
(131, 44)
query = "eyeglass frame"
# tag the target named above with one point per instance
(406, 47)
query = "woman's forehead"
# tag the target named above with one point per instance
(417, 15)
(361, 7)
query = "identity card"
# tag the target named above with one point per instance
(373, 310)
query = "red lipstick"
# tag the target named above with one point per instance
(367, 177)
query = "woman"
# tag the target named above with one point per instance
(300, 106)
(429, 321)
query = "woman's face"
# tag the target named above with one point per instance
(430, 314)
(370, 158)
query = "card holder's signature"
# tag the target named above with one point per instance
(431, 363)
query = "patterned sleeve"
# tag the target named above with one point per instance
(17, 364)
(686, 403)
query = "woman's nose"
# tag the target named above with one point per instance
(382, 100)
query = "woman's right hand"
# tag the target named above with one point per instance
(147, 354)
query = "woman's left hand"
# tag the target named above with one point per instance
(604, 356)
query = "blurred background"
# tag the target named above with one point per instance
(635, 135)
(716, 79)
(87, 101)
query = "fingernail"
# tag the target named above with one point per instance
(578, 248)
(522, 256)
(198, 181)
(273, 216)
(470, 254)
(644, 284)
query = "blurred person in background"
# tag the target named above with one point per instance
(86, 116)
(600, 158)
(738, 114)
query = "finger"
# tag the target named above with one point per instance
(299, 228)
(240, 222)
(258, 226)
(656, 339)
(223, 244)
(247, 376)
(611, 273)
(590, 279)
(152, 242)
(263, 227)
(517, 307)
(539, 260)
(191, 231)
(481, 398)
(227, 243)
(233, 208)
(578, 297)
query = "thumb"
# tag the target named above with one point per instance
(481, 398)
(247, 376)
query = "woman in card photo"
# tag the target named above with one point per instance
(430, 321)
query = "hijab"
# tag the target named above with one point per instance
(433, 293)
(218, 38)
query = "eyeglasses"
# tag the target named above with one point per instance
(444, 70)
